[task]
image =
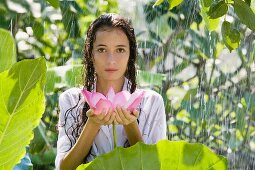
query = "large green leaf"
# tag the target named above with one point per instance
(231, 37)
(217, 10)
(163, 155)
(7, 50)
(25, 163)
(22, 105)
(244, 13)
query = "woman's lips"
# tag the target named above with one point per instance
(111, 70)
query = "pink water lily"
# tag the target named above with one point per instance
(99, 102)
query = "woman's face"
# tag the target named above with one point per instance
(110, 53)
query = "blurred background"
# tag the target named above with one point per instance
(206, 80)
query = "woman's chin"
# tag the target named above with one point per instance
(113, 78)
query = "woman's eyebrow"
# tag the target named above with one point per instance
(121, 46)
(103, 45)
(99, 45)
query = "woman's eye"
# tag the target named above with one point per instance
(121, 50)
(101, 50)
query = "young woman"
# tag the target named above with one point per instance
(110, 55)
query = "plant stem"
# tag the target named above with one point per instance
(114, 135)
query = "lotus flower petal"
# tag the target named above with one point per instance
(134, 100)
(92, 97)
(95, 98)
(101, 105)
(110, 95)
(87, 95)
(121, 98)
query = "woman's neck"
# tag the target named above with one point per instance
(103, 86)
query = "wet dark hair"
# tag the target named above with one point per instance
(112, 21)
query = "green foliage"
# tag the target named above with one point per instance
(248, 2)
(231, 37)
(211, 24)
(54, 3)
(245, 14)
(153, 12)
(38, 29)
(174, 3)
(23, 100)
(147, 79)
(70, 13)
(44, 158)
(7, 50)
(74, 75)
(163, 155)
(217, 10)
(210, 105)
(158, 2)
(207, 3)
(51, 80)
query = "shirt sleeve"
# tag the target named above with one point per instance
(67, 100)
(153, 119)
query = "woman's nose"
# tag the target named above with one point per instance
(111, 58)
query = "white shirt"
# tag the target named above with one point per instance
(152, 123)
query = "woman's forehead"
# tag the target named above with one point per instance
(109, 34)
(110, 29)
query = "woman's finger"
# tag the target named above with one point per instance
(127, 114)
(102, 115)
(107, 116)
(112, 118)
(115, 121)
(89, 113)
(117, 118)
(135, 113)
(121, 114)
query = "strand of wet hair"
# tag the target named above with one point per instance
(71, 127)
(79, 123)
(76, 127)
(69, 110)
